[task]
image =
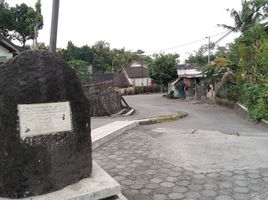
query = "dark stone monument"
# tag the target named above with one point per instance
(42, 163)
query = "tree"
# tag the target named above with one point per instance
(222, 51)
(6, 19)
(39, 17)
(102, 59)
(199, 57)
(253, 12)
(80, 66)
(242, 68)
(73, 52)
(39, 22)
(163, 68)
(42, 46)
(26, 20)
(100, 56)
(215, 70)
(121, 57)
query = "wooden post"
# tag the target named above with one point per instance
(195, 90)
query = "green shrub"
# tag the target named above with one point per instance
(228, 90)
(233, 92)
(255, 98)
(146, 89)
(170, 94)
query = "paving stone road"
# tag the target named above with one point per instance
(211, 154)
(144, 174)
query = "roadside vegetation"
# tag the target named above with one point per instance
(20, 22)
(100, 57)
(242, 67)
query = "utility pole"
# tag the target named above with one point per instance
(142, 76)
(209, 49)
(35, 46)
(54, 26)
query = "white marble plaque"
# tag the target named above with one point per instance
(45, 118)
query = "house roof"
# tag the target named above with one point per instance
(173, 82)
(190, 66)
(135, 63)
(101, 78)
(137, 72)
(9, 45)
(189, 71)
(120, 79)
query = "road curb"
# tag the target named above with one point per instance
(131, 112)
(110, 131)
(162, 118)
(264, 123)
(119, 114)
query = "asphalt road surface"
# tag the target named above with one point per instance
(201, 116)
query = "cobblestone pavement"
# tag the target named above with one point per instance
(145, 175)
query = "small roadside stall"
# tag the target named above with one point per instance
(177, 86)
(191, 76)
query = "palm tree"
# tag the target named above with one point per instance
(253, 12)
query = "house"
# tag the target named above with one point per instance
(98, 78)
(135, 74)
(120, 79)
(98, 84)
(7, 49)
(192, 78)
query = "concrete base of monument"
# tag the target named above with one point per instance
(101, 185)
(117, 197)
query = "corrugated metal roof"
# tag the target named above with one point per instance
(173, 82)
(189, 73)
(190, 66)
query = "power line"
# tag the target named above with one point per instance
(175, 47)
(235, 28)
(185, 44)
(212, 45)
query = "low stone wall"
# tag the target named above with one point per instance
(140, 90)
(105, 104)
(99, 88)
(103, 98)
(225, 102)
(242, 111)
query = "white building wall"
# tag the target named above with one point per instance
(5, 53)
(141, 81)
(131, 81)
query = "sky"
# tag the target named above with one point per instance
(153, 26)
